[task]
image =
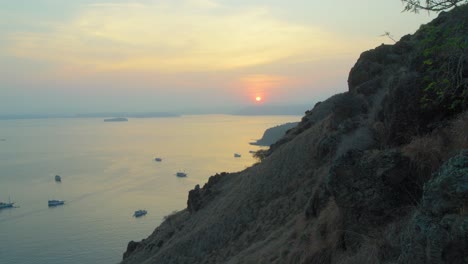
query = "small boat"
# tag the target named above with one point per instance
(237, 155)
(181, 174)
(56, 202)
(158, 159)
(139, 213)
(6, 205)
(58, 178)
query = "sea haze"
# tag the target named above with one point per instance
(108, 171)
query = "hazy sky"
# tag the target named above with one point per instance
(154, 55)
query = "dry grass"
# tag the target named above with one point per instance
(428, 152)
(459, 131)
(464, 209)
(329, 225)
(380, 133)
(368, 253)
(324, 238)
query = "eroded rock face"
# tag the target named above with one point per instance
(438, 232)
(131, 247)
(447, 192)
(370, 64)
(198, 197)
(369, 187)
(371, 182)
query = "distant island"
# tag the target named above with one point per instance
(116, 119)
(273, 134)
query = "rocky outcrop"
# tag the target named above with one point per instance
(132, 246)
(438, 231)
(358, 180)
(373, 183)
(198, 197)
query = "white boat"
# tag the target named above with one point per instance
(158, 159)
(139, 213)
(56, 202)
(58, 178)
(181, 174)
(6, 205)
(237, 155)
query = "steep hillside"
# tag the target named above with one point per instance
(374, 175)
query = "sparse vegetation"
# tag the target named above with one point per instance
(260, 155)
(388, 35)
(444, 67)
(431, 5)
(170, 216)
(428, 152)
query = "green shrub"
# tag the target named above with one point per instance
(444, 68)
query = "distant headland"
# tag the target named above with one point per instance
(116, 119)
(273, 134)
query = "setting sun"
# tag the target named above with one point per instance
(258, 99)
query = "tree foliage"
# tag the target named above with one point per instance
(261, 154)
(445, 52)
(431, 5)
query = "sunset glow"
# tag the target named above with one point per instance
(172, 37)
(137, 55)
(258, 98)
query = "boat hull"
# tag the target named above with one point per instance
(6, 205)
(53, 203)
(140, 213)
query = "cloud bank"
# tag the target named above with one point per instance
(175, 36)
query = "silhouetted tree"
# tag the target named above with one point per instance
(431, 5)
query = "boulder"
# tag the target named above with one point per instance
(438, 231)
(369, 187)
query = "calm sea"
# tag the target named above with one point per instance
(108, 171)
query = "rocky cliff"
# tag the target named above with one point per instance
(378, 174)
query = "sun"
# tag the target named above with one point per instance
(258, 98)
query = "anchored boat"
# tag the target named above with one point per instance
(181, 174)
(139, 213)
(6, 205)
(56, 202)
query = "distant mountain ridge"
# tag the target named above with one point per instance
(272, 110)
(89, 115)
(116, 119)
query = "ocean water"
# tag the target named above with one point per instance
(108, 171)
